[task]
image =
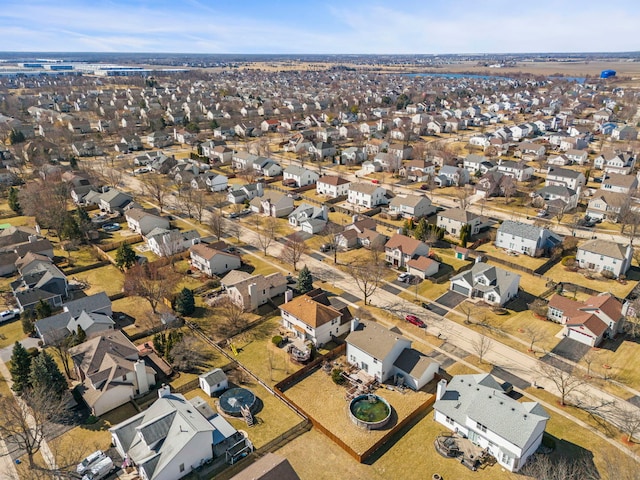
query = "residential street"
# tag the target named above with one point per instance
(506, 359)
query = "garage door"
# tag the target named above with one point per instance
(580, 336)
(461, 289)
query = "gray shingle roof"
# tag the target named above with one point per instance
(481, 399)
(374, 339)
(521, 230)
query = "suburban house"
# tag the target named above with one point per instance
(477, 163)
(606, 204)
(250, 291)
(400, 249)
(492, 284)
(453, 219)
(143, 222)
(387, 355)
(332, 186)
(367, 195)
(239, 194)
(297, 176)
(423, 267)
(312, 317)
(477, 407)
(110, 371)
(165, 243)
(525, 238)
(518, 170)
(605, 256)
(269, 467)
(92, 313)
(273, 204)
(494, 184)
(42, 280)
(419, 170)
(211, 261)
(564, 177)
(362, 232)
(589, 322)
(210, 181)
(213, 381)
(175, 436)
(559, 160)
(556, 198)
(626, 132)
(243, 160)
(309, 218)
(450, 175)
(411, 206)
(577, 156)
(113, 200)
(615, 182)
(612, 162)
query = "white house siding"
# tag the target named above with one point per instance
(598, 263)
(113, 398)
(191, 455)
(517, 244)
(381, 369)
(319, 335)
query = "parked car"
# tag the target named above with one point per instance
(10, 314)
(111, 227)
(375, 181)
(86, 464)
(415, 321)
(424, 186)
(145, 169)
(542, 213)
(325, 247)
(403, 277)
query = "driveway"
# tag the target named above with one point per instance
(29, 342)
(388, 288)
(451, 299)
(571, 349)
(510, 377)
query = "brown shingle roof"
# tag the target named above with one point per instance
(406, 244)
(309, 311)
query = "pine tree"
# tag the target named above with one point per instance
(43, 310)
(420, 232)
(45, 376)
(125, 257)
(305, 280)
(20, 368)
(14, 201)
(185, 303)
(27, 322)
(70, 229)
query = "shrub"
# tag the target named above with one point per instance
(91, 419)
(568, 261)
(336, 376)
(276, 340)
(607, 274)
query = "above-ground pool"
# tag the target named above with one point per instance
(370, 411)
(232, 400)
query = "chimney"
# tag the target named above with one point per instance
(33, 238)
(164, 390)
(354, 324)
(442, 386)
(288, 296)
(253, 295)
(259, 189)
(141, 377)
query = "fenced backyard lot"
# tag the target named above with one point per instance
(323, 400)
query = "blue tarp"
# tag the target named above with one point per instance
(607, 73)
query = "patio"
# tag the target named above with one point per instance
(451, 445)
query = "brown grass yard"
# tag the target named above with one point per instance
(107, 278)
(11, 332)
(273, 419)
(560, 274)
(522, 260)
(328, 406)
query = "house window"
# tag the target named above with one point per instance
(182, 467)
(449, 420)
(481, 427)
(375, 361)
(491, 297)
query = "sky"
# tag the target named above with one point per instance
(315, 26)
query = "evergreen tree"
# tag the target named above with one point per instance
(27, 322)
(14, 201)
(465, 233)
(43, 310)
(70, 229)
(20, 368)
(16, 136)
(159, 343)
(420, 232)
(185, 303)
(81, 335)
(125, 257)
(73, 162)
(45, 376)
(305, 280)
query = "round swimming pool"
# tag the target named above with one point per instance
(232, 400)
(370, 411)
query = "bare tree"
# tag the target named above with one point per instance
(632, 319)
(367, 276)
(533, 334)
(293, 250)
(150, 282)
(61, 343)
(545, 467)
(467, 309)
(266, 230)
(508, 186)
(463, 194)
(331, 234)
(588, 358)
(199, 202)
(217, 224)
(188, 354)
(565, 382)
(218, 200)
(47, 200)
(157, 187)
(234, 316)
(481, 346)
(560, 214)
(24, 420)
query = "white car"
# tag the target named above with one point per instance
(10, 314)
(86, 464)
(140, 170)
(403, 277)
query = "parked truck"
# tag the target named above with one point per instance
(99, 470)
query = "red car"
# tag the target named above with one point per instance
(415, 320)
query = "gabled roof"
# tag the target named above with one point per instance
(374, 339)
(479, 398)
(309, 311)
(521, 230)
(202, 250)
(605, 248)
(407, 245)
(408, 200)
(332, 180)
(458, 214)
